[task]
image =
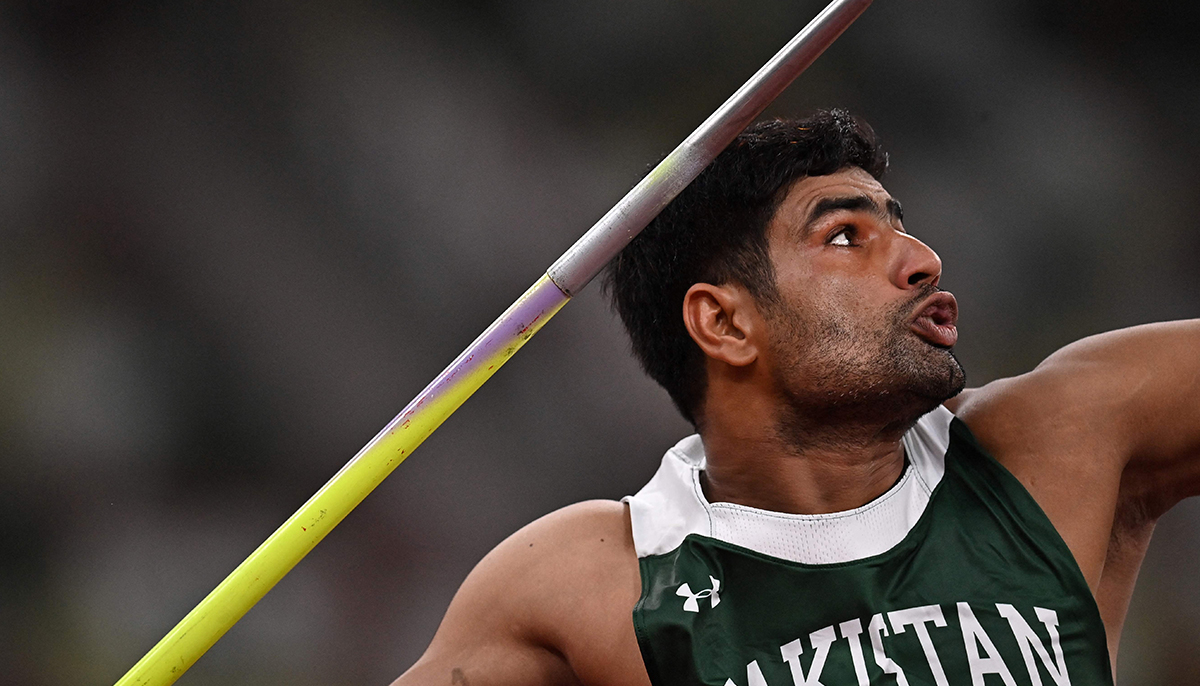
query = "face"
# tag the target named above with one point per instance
(859, 330)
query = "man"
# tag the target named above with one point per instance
(833, 522)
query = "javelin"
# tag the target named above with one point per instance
(246, 585)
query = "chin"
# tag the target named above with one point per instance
(937, 380)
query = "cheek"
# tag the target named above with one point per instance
(840, 281)
(833, 295)
(866, 295)
(840, 300)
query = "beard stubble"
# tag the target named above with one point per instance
(838, 377)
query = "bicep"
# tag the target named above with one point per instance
(1164, 399)
(1126, 402)
(486, 664)
(484, 640)
(1144, 385)
(533, 610)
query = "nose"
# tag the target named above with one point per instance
(915, 263)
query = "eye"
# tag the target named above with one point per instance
(843, 236)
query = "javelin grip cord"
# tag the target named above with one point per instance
(250, 581)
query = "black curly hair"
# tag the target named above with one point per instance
(715, 232)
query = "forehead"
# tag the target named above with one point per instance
(804, 194)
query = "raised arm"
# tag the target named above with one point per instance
(1131, 398)
(552, 604)
(1105, 434)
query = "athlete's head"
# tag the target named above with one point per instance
(790, 228)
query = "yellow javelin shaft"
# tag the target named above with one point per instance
(247, 584)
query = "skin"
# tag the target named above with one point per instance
(1105, 434)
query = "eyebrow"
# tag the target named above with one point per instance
(853, 203)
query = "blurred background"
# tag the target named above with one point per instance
(237, 237)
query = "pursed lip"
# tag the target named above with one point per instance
(936, 320)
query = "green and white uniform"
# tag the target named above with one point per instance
(954, 577)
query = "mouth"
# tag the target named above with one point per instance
(936, 319)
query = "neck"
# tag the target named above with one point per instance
(798, 463)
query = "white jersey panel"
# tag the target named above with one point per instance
(673, 505)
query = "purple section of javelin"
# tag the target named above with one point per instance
(490, 350)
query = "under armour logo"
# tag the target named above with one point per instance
(692, 604)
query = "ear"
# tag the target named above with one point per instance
(723, 320)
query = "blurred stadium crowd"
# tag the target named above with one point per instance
(237, 237)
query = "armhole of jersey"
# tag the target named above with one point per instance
(639, 627)
(1028, 512)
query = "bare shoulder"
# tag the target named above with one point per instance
(1084, 393)
(580, 555)
(1072, 422)
(1095, 430)
(583, 545)
(547, 605)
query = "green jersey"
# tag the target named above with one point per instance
(954, 577)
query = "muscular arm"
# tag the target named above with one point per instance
(1130, 397)
(1105, 434)
(550, 605)
(1154, 372)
